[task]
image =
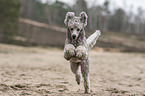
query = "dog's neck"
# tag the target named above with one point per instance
(78, 41)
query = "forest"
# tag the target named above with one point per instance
(100, 16)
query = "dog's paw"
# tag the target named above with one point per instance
(78, 79)
(81, 52)
(69, 51)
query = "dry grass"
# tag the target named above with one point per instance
(39, 71)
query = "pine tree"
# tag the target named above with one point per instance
(9, 13)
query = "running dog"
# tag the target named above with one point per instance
(77, 46)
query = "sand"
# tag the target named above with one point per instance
(39, 71)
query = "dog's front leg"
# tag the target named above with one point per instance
(69, 51)
(81, 52)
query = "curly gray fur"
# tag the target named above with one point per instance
(76, 47)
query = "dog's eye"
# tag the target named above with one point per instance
(71, 29)
(78, 29)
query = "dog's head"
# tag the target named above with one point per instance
(75, 24)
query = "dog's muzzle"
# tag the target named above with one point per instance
(73, 36)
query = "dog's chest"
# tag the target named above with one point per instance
(75, 59)
(77, 43)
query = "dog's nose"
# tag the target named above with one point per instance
(74, 36)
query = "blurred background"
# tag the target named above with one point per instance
(41, 22)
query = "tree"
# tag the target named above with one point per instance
(9, 10)
(55, 13)
(117, 20)
(107, 15)
(139, 21)
(80, 6)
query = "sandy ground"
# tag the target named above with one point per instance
(44, 71)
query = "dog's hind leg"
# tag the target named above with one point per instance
(85, 74)
(75, 67)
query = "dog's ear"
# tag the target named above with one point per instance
(69, 15)
(84, 18)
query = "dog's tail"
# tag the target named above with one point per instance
(91, 41)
